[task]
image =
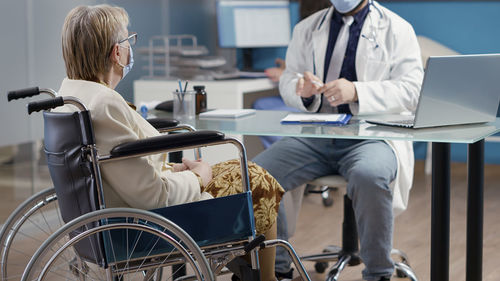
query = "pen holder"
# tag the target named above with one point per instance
(184, 105)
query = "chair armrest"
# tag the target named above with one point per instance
(161, 123)
(176, 142)
(167, 142)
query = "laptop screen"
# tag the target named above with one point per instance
(459, 90)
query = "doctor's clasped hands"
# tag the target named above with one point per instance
(339, 91)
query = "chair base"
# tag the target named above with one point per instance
(325, 191)
(343, 259)
(348, 254)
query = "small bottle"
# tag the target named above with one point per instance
(201, 99)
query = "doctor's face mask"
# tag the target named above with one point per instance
(345, 6)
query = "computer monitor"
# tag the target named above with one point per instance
(253, 24)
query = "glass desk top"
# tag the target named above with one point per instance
(267, 123)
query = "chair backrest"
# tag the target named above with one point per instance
(66, 140)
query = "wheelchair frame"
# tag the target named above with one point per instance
(219, 255)
(24, 214)
(31, 213)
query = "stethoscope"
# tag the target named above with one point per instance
(372, 37)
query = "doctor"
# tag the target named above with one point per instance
(355, 57)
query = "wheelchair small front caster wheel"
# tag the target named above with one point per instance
(320, 267)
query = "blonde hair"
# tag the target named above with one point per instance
(88, 36)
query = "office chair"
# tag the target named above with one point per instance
(348, 253)
(325, 191)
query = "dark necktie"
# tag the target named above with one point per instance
(338, 55)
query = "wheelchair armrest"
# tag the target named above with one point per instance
(166, 142)
(161, 123)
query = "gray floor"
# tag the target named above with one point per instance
(22, 172)
(412, 228)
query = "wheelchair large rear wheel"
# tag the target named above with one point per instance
(25, 230)
(137, 245)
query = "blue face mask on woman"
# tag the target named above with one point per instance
(128, 67)
(345, 6)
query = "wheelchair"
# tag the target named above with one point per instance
(99, 243)
(35, 219)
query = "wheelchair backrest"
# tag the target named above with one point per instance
(67, 138)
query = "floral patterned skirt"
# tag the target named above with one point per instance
(266, 191)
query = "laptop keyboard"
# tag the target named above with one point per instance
(403, 122)
(407, 123)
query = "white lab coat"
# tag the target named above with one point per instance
(389, 71)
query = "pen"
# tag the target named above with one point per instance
(300, 75)
(184, 92)
(181, 96)
(180, 85)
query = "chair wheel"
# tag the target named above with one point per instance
(328, 201)
(320, 267)
(307, 189)
(402, 265)
(400, 274)
(333, 275)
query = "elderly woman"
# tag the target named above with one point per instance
(97, 50)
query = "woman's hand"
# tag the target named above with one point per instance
(199, 167)
(179, 167)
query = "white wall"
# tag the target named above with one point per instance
(13, 59)
(30, 53)
(30, 56)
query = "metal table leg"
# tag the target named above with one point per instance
(475, 209)
(440, 217)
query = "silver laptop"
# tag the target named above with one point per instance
(456, 90)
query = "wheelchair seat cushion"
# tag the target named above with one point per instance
(266, 191)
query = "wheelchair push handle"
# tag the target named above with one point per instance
(45, 104)
(23, 93)
(29, 92)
